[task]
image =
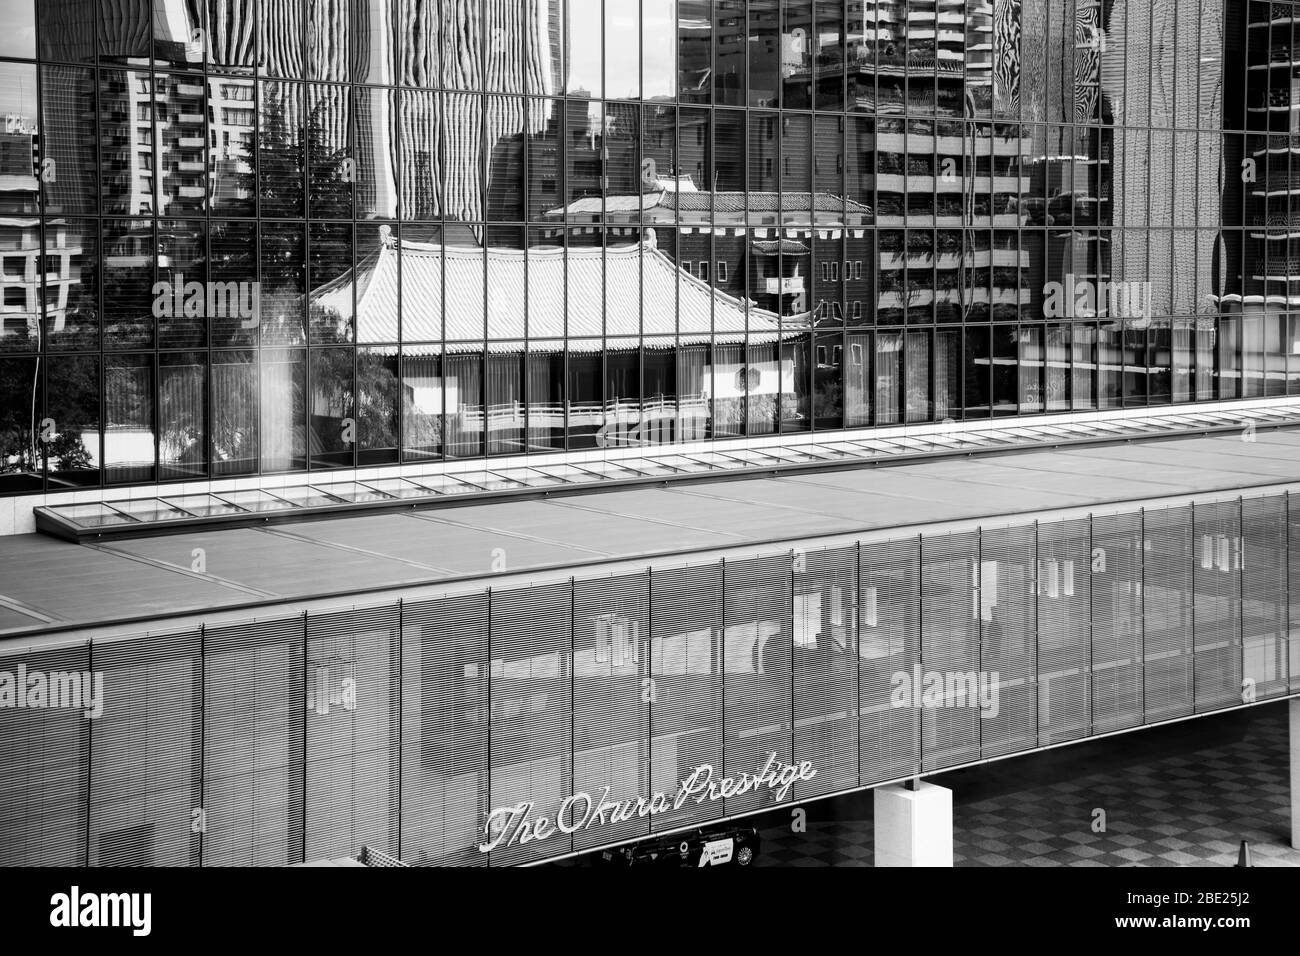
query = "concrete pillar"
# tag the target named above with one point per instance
(1294, 705)
(914, 827)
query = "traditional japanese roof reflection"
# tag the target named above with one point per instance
(543, 294)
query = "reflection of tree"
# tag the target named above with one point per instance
(828, 401)
(72, 404)
(331, 397)
(234, 423)
(278, 180)
(18, 452)
(329, 171)
(181, 399)
(377, 401)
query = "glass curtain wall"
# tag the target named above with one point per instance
(279, 235)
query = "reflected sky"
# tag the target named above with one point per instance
(17, 28)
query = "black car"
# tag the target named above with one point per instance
(719, 846)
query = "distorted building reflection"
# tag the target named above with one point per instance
(920, 210)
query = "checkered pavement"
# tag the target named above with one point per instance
(1182, 795)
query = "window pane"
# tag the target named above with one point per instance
(622, 48)
(282, 410)
(129, 299)
(68, 173)
(20, 429)
(694, 50)
(128, 419)
(234, 413)
(584, 48)
(830, 54)
(330, 278)
(376, 154)
(282, 284)
(71, 266)
(126, 142)
(232, 178)
(764, 53)
(279, 37)
(72, 401)
(421, 403)
(280, 153)
(182, 264)
(68, 29)
(333, 421)
(231, 35)
(729, 52)
(420, 165)
(464, 404)
(181, 132)
(585, 393)
(182, 390)
(234, 264)
(658, 49)
(377, 389)
(797, 46)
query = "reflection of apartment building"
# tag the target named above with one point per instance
(126, 142)
(20, 232)
(961, 179)
(231, 142)
(711, 50)
(755, 245)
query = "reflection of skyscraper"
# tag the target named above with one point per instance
(938, 58)
(518, 51)
(1184, 165)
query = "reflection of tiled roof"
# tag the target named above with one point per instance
(611, 291)
(770, 247)
(611, 205)
(735, 202)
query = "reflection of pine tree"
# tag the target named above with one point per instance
(278, 180)
(330, 171)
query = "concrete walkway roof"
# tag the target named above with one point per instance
(48, 584)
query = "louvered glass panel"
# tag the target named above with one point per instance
(445, 730)
(253, 743)
(1262, 557)
(756, 662)
(145, 752)
(826, 669)
(1217, 609)
(1116, 580)
(1005, 689)
(950, 650)
(889, 647)
(531, 696)
(44, 753)
(1064, 631)
(1167, 603)
(352, 732)
(1293, 579)
(686, 710)
(611, 711)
